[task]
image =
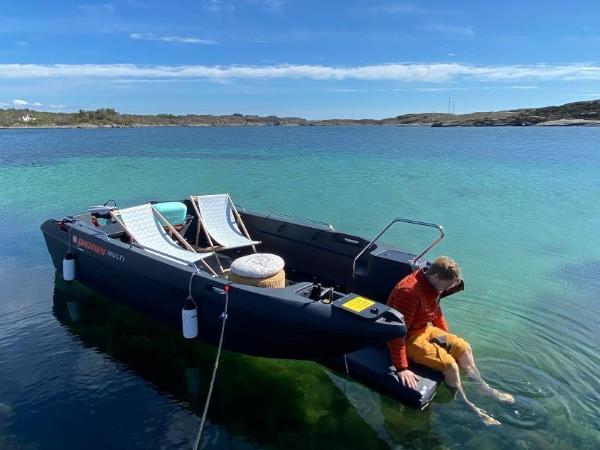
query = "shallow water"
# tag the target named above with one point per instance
(521, 211)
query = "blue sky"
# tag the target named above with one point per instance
(314, 59)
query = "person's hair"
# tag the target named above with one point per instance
(445, 268)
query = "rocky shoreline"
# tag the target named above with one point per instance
(571, 114)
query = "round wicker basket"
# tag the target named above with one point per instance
(274, 281)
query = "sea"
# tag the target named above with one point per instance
(520, 207)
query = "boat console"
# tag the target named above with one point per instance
(317, 292)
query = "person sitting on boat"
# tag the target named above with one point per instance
(427, 340)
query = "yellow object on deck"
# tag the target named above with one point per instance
(358, 304)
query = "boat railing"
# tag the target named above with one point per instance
(414, 260)
(302, 219)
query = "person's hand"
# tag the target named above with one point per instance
(408, 378)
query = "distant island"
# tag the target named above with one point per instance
(570, 114)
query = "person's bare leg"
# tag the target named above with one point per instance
(452, 379)
(467, 363)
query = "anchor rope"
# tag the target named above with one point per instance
(215, 367)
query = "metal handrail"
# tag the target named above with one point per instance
(328, 225)
(414, 222)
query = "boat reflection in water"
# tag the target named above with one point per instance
(268, 402)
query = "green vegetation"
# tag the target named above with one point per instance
(579, 113)
(108, 117)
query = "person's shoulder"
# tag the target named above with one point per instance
(409, 281)
(401, 289)
(404, 288)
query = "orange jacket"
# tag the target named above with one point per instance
(414, 297)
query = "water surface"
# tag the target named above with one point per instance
(521, 211)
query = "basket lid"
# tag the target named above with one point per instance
(257, 265)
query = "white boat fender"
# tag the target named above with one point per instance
(189, 319)
(69, 267)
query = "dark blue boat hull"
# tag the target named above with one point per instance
(259, 323)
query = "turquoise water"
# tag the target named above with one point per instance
(521, 210)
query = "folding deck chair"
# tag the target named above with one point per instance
(219, 219)
(144, 224)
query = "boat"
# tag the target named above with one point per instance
(330, 307)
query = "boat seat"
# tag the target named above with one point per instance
(219, 219)
(146, 227)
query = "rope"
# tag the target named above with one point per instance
(216, 366)
(190, 286)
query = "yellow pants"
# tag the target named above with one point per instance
(435, 348)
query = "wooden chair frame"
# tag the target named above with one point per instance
(200, 226)
(172, 230)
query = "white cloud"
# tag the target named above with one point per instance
(270, 5)
(17, 102)
(461, 88)
(402, 8)
(137, 4)
(397, 8)
(346, 90)
(262, 41)
(584, 95)
(154, 80)
(20, 103)
(97, 8)
(408, 72)
(432, 89)
(448, 29)
(217, 6)
(177, 39)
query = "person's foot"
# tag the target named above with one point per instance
(486, 418)
(489, 420)
(495, 393)
(502, 396)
